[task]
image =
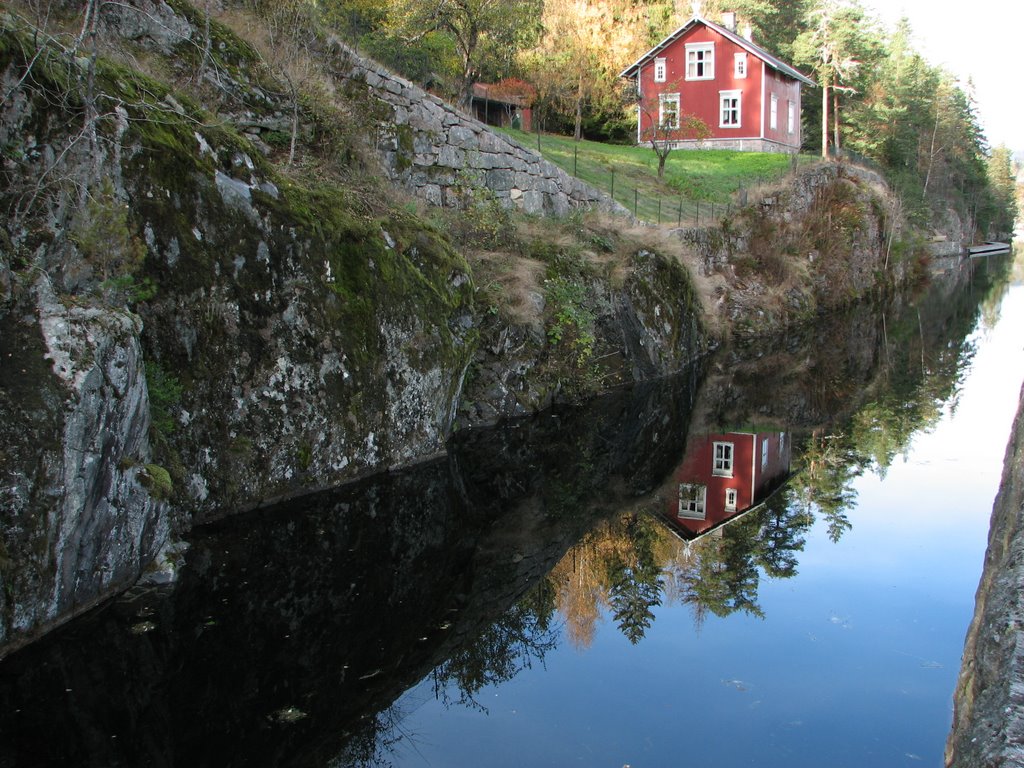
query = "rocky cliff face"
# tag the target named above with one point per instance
(189, 328)
(988, 726)
(79, 521)
(831, 236)
(279, 337)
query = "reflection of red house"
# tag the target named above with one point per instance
(723, 476)
(748, 99)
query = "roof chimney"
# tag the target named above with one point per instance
(729, 20)
(695, 6)
(748, 32)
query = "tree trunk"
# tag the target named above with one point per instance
(824, 118)
(578, 131)
(931, 155)
(835, 117)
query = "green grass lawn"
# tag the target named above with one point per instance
(697, 183)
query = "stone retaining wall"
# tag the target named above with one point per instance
(740, 145)
(447, 157)
(988, 719)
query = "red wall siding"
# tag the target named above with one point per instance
(697, 469)
(786, 90)
(701, 97)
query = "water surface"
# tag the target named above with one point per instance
(598, 586)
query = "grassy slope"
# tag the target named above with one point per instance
(694, 179)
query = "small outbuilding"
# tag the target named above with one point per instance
(503, 104)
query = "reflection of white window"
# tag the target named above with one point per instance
(722, 462)
(764, 453)
(668, 110)
(773, 115)
(730, 499)
(660, 70)
(782, 442)
(730, 112)
(740, 64)
(700, 61)
(790, 116)
(692, 500)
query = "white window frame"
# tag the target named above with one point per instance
(692, 501)
(723, 456)
(764, 453)
(731, 495)
(700, 56)
(790, 116)
(735, 111)
(739, 61)
(773, 114)
(660, 70)
(663, 99)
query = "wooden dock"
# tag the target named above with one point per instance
(988, 249)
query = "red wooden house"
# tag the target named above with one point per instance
(748, 99)
(724, 475)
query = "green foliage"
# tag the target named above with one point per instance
(430, 61)
(571, 327)
(485, 34)
(102, 235)
(524, 634)
(164, 397)
(157, 480)
(304, 456)
(635, 579)
(480, 221)
(1003, 184)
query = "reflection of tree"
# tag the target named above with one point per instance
(725, 573)
(825, 480)
(727, 577)
(782, 526)
(632, 564)
(510, 645)
(635, 580)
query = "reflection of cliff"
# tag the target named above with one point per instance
(827, 404)
(292, 628)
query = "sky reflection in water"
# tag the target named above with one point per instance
(853, 664)
(293, 631)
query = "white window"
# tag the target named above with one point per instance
(700, 61)
(660, 70)
(773, 116)
(730, 112)
(722, 461)
(730, 499)
(668, 111)
(790, 116)
(692, 501)
(764, 453)
(739, 64)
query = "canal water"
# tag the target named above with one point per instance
(767, 560)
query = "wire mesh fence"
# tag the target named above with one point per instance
(647, 200)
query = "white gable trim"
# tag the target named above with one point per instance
(760, 53)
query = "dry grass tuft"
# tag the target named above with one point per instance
(713, 290)
(510, 285)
